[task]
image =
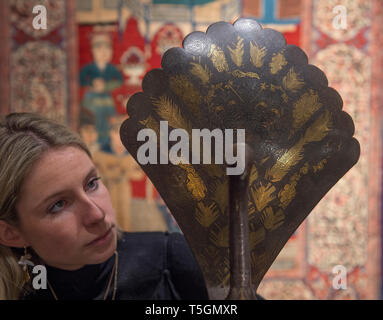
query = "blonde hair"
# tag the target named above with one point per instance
(24, 138)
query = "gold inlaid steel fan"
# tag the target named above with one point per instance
(243, 77)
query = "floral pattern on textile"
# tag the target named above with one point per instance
(338, 225)
(22, 15)
(285, 290)
(38, 75)
(358, 16)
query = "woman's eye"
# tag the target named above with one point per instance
(57, 206)
(93, 184)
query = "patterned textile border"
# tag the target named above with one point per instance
(4, 57)
(345, 228)
(375, 262)
(42, 62)
(72, 54)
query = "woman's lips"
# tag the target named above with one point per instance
(102, 239)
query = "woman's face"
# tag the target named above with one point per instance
(63, 209)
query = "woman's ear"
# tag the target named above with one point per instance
(10, 236)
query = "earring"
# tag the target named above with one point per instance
(25, 262)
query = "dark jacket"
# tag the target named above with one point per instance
(152, 265)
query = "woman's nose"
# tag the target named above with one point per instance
(92, 213)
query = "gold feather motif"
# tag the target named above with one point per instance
(256, 237)
(187, 92)
(170, 112)
(287, 194)
(289, 159)
(251, 208)
(258, 260)
(218, 58)
(319, 129)
(305, 107)
(236, 54)
(208, 257)
(292, 81)
(223, 272)
(262, 195)
(272, 220)
(241, 74)
(194, 182)
(201, 72)
(206, 215)
(278, 61)
(257, 54)
(316, 132)
(304, 170)
(220, 237)
(320, 165)
(150, 123)
(221, 195)
(253, 174)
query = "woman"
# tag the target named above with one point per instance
(56, 212)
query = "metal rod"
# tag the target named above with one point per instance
(240, 268)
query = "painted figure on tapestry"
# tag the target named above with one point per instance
(101, 78)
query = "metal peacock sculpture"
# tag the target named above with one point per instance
(298, 144)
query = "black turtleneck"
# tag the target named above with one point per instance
(151, 265)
